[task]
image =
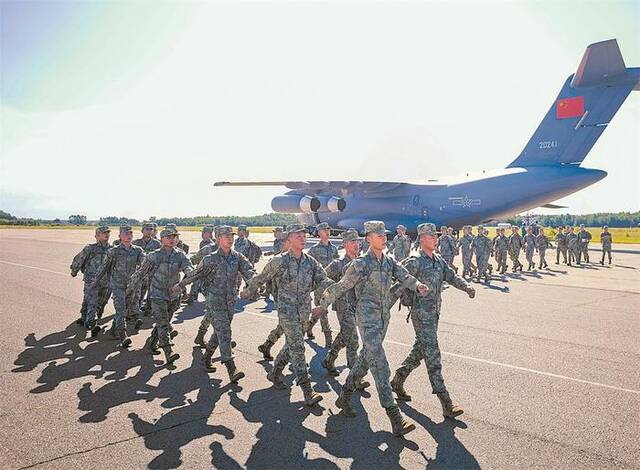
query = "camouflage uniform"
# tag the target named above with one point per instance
(323, 254)
(278, 244)
(584, 238)
(371, 280)
(221, 272)
(500, 249)
(400, 246)
(466, 243)
(163, 268)
(345, 308)
(250, 250)
(482, 247)
(561, 246)
(196, 259)
(542, 243)
(606, 239)
(89, 261)
(572, 246)
(447, 248)
(515, 245)
(529, 241)
(119, 266)
(296, 279)
(425, 313)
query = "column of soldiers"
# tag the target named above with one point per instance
(361, 289)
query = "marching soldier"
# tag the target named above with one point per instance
(372, 275)
(482, 247)
(584, 238)
(500, 250)
(561, 244)
(572, 246)
(324, 252)
(606, 239)
(515, 245)
(542, 243)
(432, 270)
(121, 262)
(529, 241)
(88, 262)
(466, 243)
(163, 267)
(221, 270)
(400, 246)
(296, 275)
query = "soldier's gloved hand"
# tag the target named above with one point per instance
(422, 289)
(176, 289)
(317, 312)
(471, 292)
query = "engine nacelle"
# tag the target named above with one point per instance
(295, 204)
(331, 204)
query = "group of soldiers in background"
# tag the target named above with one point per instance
(151, 274)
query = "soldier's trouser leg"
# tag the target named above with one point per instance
(205, 322)
(529, 254)
(541, 257)
(162, 311)
(293, 350)
(91, 302)
(83, 308)
(120, 318)
(275, 334)
(585, 253)
(426, 347)
(347, 337)
(372, 356)
(221, 321)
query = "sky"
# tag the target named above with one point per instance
(135, 108)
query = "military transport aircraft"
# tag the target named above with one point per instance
(547, 169)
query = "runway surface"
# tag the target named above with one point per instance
(545, 365)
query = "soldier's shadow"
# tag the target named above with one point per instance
(450, 452)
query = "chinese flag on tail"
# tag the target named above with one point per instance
(570, 107)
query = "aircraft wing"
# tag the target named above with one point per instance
(319, 187)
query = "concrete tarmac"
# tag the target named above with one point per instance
(545, 364)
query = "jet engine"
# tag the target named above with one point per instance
(331, 204)
(295, 204)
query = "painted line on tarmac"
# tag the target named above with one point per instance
(34, 267)
(397, 343)
(495, 363)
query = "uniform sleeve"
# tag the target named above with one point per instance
(79, 260)
(335, 252)
(320, 279)
(268, 272)
(334, 270)
(185, 265)
(348, 282)
(245, 267)
(411, 265)
(106, 266)
(204, 269)
(197, 257)
(453, 279)
(141, 273)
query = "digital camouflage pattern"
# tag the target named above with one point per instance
(89, 261)
(482, 247)
(400, 247)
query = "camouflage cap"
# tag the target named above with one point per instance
(277, 229)
(581, 225)
(294, 228)
(427, 229)
(401, 227)
(171, 226)
(322, 226)
(242, 228)
(151, 225)
(208, 228)
(375, 226)
(606, 226)
(167, 232)
(126, 228)
(102, 229)
(350, 235)
(222, 230)
(467, 227)
(480, 227)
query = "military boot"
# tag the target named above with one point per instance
(125, 341)
(80, 321)
(173, 334)
(362, 385)
(309, 328)
(344, 402)
(399, 425)
(138, 324)
(449, 410)
(234, 374)
(94, 328)
(397, 384)
(208, 355)
(328, 339)
(199, 339)
(169, 355)
(276, 378)
(310, 397)
(265, 349)
(329, 363)
(151, 345)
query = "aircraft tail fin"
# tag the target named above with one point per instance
(584, 107)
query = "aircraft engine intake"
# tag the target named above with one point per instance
(332, 204)
(295, 204)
